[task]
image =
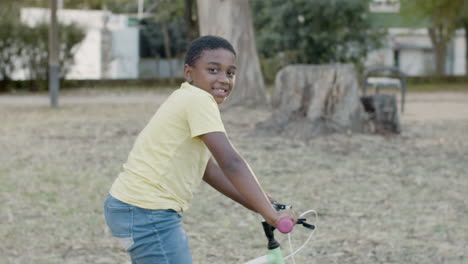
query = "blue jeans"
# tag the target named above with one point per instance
(149, 236)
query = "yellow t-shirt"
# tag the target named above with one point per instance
(168, 159)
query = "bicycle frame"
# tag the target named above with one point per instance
(274, 255)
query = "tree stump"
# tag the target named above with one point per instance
(314, 100)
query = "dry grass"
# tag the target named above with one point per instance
(396, 199)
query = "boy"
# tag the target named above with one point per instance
(185, 142)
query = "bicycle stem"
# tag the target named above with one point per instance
(268, 229)
(274, 252)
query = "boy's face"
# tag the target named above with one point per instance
(213, 72)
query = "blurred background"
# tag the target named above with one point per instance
(147, 39)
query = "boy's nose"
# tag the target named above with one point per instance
(222, 78)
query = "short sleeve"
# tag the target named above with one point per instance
(203, 116)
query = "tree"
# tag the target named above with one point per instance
(443, 16)
(232, 20)
(35, 41)
(167, 11)
(314, 32)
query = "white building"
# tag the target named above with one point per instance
(110, 49)
(410, 48)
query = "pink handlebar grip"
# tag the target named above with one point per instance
(285, 225)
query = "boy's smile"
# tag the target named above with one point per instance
(213, 72)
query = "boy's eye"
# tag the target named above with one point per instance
(213, 70)
(231, 73)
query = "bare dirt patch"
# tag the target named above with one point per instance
(399, 199)
(436, 106)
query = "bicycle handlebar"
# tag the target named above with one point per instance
(285, 225)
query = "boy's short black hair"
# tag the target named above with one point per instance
(206, 43)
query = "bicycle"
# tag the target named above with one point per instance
(285, 226)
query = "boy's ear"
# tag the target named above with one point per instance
(188, 73)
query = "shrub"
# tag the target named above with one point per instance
(26, 47)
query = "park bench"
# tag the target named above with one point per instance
(385, 77)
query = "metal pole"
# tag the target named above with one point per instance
(141, 5)
(54, 68)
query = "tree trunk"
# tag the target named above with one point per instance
(232, 20)
(314, 100)
(191, 23)
(441, 53)
(167, 50)
(439, 42)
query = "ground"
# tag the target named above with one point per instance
(394, 199)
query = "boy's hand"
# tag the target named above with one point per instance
(288, 213)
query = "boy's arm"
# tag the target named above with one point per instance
(239, 174)
(215, 177)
